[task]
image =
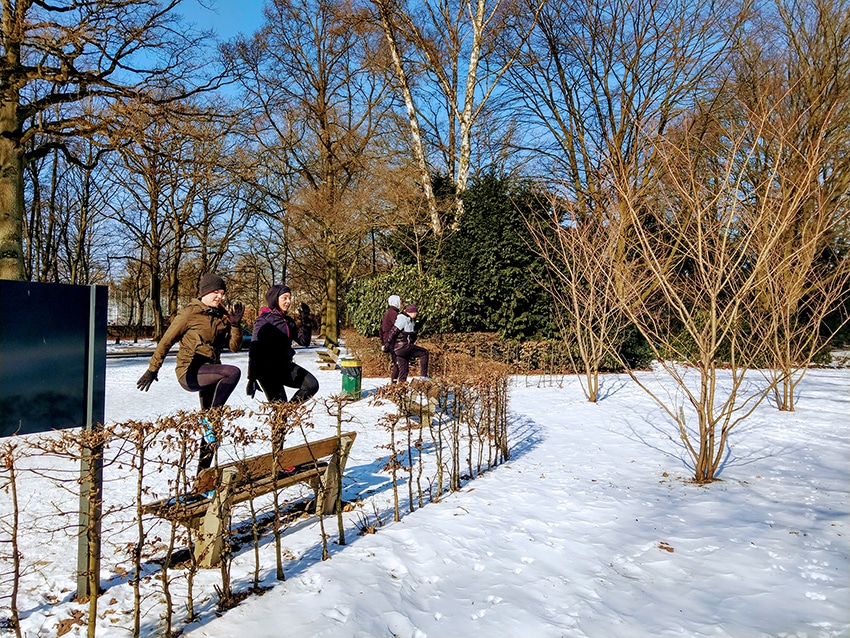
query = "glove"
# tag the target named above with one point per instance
(305, 312)
(236, 312)
(145, 381)
(251, 388)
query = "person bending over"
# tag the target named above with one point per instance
(402, 338)
(387, 323)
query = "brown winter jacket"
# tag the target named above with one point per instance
(203, 332)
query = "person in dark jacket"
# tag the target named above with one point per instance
(402, 338)
(387, 323)
(270, 354)
(203, 328)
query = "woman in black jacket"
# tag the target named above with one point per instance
(270, 354)
(387, 323)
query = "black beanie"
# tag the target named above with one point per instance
(210, 283)
(274, 292)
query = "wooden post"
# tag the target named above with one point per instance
(91, 476)
(211, 530)
(331, 484)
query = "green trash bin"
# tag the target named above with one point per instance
(352, 371)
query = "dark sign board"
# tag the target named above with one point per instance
(52, 356)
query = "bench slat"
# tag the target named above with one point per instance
(259, 466)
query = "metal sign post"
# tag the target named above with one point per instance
(52, 377)
(91, 478)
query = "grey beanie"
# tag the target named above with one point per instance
(210, 283)
(394, 301)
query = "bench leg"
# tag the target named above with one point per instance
(210, 539)
(332, 480)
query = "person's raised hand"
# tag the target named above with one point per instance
(146, 380)
(236, 313)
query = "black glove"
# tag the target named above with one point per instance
(145, 381)
(236, 312)
(251, 388)
(305, 313)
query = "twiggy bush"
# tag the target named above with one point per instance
(11, 580)
(148, 461)
(466, 435)
(335, 405)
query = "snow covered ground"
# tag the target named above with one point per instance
(591, 529)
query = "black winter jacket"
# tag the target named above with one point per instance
(271, 344)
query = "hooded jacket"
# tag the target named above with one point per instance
(387, 323)
(203, 332)
(271, 342)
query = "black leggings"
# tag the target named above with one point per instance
(403, 358)
(214, 382)
(291, 376)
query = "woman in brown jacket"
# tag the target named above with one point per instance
(203, 328)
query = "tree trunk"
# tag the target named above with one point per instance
(11, 194)
(330, 320)
(412, 119)
(156, 296)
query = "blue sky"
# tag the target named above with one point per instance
(226, 17)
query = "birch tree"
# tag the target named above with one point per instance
(448, 59)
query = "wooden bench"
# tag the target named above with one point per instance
(317, 463)
(422, 402)
(328, 358)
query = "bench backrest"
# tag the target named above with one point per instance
(250, 469)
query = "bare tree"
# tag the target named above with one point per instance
(794, 72)
(56, 56)
(701, 251)
(145, 175)
(580, 253)
(64, 234)
(319, 111)
(596, 80)
(448, 59)
(224, 201)
(171, 190)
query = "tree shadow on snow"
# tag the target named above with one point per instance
(736, 453)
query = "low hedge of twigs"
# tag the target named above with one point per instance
(440, 434)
